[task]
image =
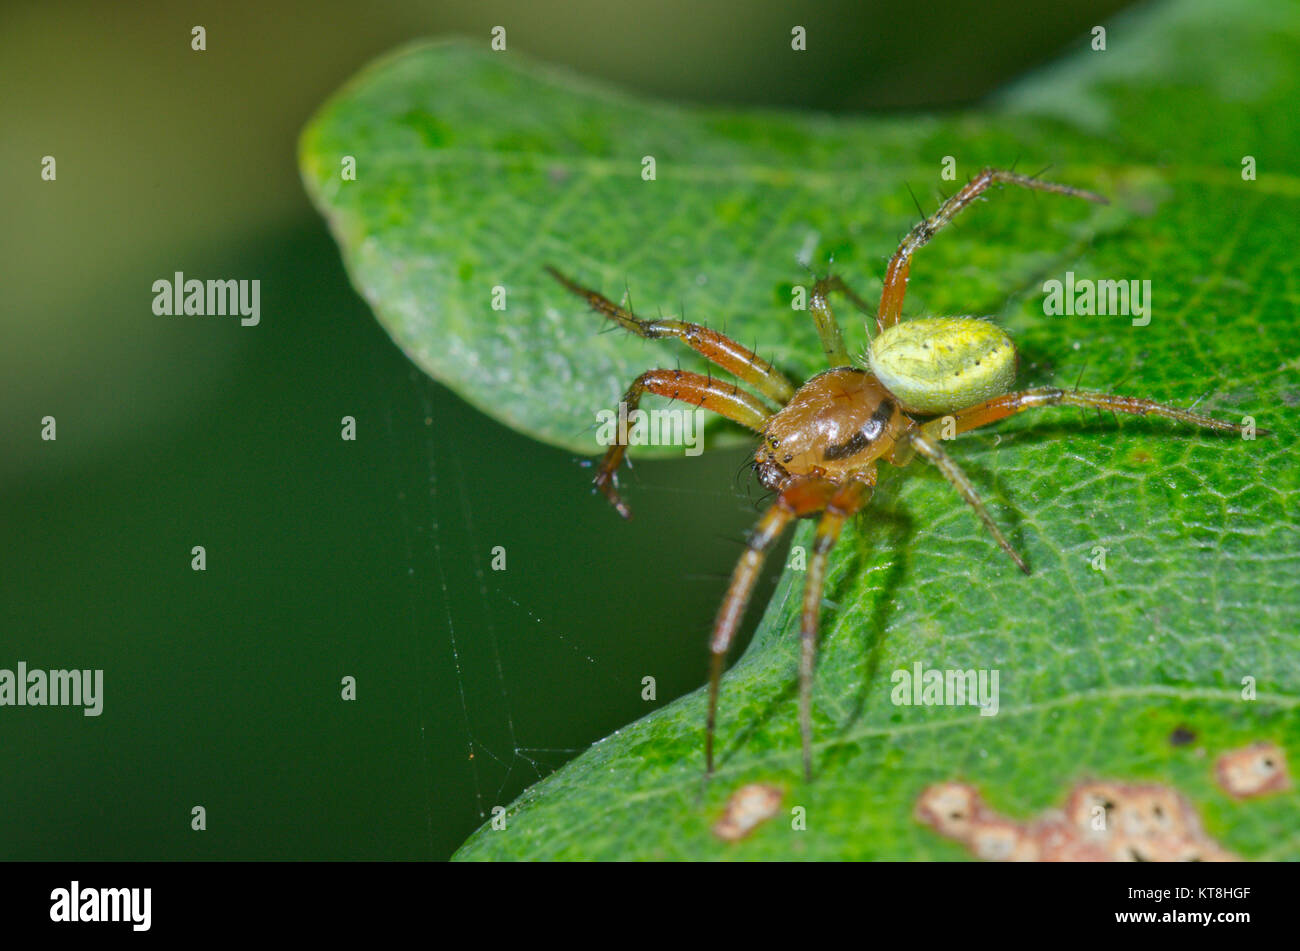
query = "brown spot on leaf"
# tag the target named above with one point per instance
(748, 807)
(1254, 771)
(1181, 736)
(952, 808)
(1101, 822)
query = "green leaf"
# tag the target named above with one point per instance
(474, 169)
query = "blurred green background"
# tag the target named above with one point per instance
(328, 558)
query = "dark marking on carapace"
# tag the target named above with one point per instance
(864, 437)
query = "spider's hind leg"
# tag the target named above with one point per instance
(924, 443)
(925, 440)
(1009, 404)
(896, 275)
(828, 330)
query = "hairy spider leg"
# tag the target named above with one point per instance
(842, 506)
(896, 275)
(801, 497)
(827, 328)
(718, 396)
(926, 443)
(925, 439)
(1009, 404)
(739, 361)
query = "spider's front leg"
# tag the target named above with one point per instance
(843, 505)
(717, 348)
(725, 399)
(800, 498)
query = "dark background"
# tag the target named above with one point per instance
(328, 558)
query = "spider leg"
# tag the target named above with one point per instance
(928, 446)
(725, 399)
(896, 275)
(845, 503)
(827, 329)
(715, 347)
(1009, 404)
(799, 498)
(926, 438)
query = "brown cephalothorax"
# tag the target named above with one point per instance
(925, 380)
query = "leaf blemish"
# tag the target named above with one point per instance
(1101, 822)
(1253, 771)
(748, 807)
(1181, 736)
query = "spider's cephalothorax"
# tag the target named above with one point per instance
(837, 423)
(819, 445)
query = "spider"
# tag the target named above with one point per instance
(819, 448)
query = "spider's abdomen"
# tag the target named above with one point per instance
(839, 422)
(939, 365)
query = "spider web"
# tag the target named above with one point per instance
(456, 606)
(468, 624)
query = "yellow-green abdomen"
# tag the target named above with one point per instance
(939, 365)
